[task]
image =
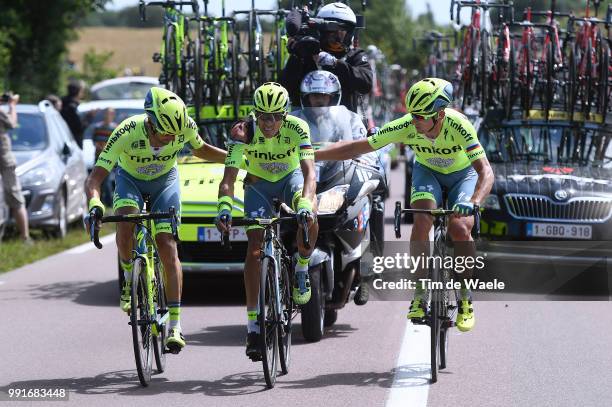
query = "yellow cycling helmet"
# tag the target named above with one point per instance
(166, 111)
(271, 97)
(428, 96)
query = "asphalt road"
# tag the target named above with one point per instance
(63, 328)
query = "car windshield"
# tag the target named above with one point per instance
(120, 115)
(130, 90)
(30, 133)
(548, 144)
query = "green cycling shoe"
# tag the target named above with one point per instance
(301, 288)
(125, 300)
(175, 341)
(465, 316)
(418, 309)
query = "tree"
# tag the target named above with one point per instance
(33, 37)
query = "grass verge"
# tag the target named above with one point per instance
(14, 254)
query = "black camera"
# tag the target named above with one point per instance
(306, 32)
(6, 97)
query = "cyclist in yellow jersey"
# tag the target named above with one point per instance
(448, 154)
(145, 147)
(278, 157)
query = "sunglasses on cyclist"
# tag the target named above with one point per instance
(418, 117)
(268, 117)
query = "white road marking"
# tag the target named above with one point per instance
(413, 371)
(89, 245)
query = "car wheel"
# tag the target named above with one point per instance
(61, 217)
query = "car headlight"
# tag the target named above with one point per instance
(330, 201)
(40, 175)
(491, 202)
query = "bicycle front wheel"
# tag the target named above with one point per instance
(434, 324)
(284, 329)
(140, 319)
(267, 319)
(159, 340)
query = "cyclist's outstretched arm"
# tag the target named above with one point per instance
(210, 153)
(485, 179)
(310, 183)
(343, 150)
(94, 181)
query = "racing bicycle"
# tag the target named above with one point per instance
(443, 301)
(149, 312)
(276, 308)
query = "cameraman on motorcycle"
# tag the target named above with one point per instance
(332, 52)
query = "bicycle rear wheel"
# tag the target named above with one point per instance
(284, 329)
(159, 340)
(267, 322)
(140, 319)
(434, 324)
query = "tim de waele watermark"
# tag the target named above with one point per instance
(403, 261)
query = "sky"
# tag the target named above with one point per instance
(440, 7)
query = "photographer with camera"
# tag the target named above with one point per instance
(325, 43)
(12, 188)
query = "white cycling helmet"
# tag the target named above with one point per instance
(344, 16)
(322, 82)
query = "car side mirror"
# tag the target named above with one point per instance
(66, 150)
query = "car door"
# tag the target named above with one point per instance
(74, 167)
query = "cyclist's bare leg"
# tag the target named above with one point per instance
(125, 234)
(419, 237)
(252, 266)
(168, 253)
(459, 229)
(313, 231)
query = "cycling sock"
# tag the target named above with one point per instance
(252, 325)
(175, 315)
(302, 263)
(127, 270)
(465, 292)
(419, 291)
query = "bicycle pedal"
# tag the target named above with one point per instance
(174, 349)
(157, 57)
(419, 321)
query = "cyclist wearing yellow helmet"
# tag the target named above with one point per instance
(145, 148)
(447, 153)
(278, 157)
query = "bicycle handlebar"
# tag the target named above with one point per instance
(134, 218)
(438, 212)
(476, 4)
(142, 5)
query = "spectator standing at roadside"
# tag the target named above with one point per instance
(101, 133)
(12, 188)
(55, 101)
(69, 112)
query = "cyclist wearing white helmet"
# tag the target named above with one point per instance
(336, 55)
(145, 148)
(448, 154)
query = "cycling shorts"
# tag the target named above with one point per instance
(259, 196)
(428, 184)
(163, 192)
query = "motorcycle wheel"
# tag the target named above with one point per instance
(313, 312)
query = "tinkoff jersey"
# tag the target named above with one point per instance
(129, 146)
(454, 149)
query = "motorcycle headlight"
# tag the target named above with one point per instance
(40, 175)
(330, 201)
(491, 202)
